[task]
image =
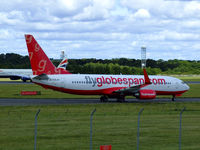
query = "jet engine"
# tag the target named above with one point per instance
(146, 94)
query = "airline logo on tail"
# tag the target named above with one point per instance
(40, 63)
(63, 64)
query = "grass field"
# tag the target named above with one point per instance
(66, 127)
(188, 77)
(13, 91)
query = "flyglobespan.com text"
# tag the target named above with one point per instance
(100, 81)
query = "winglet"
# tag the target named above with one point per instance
(146, 77)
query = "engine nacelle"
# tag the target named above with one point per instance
(14, 78)
(24, 79)
(146, 94)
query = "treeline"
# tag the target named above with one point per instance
(133, 66)
(109, 66)
(14, 61)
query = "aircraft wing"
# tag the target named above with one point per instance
(129, 90)
(134, 89)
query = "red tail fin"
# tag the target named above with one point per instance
(40, 63)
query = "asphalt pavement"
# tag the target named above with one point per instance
(24, 102)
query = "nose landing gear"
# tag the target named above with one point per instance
(173, 98)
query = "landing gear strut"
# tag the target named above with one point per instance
(104, 99)
(121, 99)
(173, 98)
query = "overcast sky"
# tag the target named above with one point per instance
(103, 28)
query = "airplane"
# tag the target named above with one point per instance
(107, 86)
(24, 74)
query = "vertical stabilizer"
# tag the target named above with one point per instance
(40, 63)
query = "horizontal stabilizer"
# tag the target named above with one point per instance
(41, 77)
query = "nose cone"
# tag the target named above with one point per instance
(187, 87)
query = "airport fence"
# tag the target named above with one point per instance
(89, 129)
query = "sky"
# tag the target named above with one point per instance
(103, 29)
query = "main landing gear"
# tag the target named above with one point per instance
(120, 99)
(104, 98)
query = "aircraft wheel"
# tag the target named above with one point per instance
(121, 99)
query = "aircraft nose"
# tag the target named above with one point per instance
(187, 87)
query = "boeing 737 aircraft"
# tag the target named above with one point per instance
(24, 74)
(107, 86)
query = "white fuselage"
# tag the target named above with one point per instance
(16, 73)
(105, 84)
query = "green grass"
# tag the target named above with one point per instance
(194, 91)
(188, 77)
(67, 126)
(13, 91)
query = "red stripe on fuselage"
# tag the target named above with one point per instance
(107, 91)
